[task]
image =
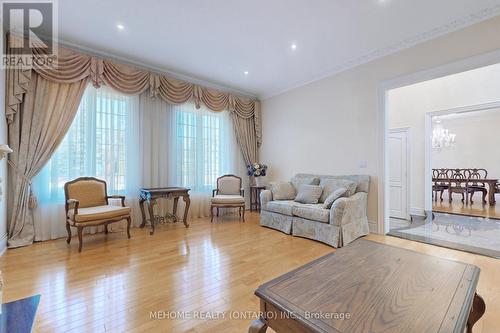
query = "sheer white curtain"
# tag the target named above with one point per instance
(133, 142)
(203, 147)
(97, 144)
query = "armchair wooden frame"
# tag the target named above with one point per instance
(73, 204)
(240, 206)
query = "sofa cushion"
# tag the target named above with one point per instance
(98, 213)
(227, 199)
(338, 193)
(308, 194)
(304, 180)
(330, 185)
(314, 212)
(283, 191)
(280, 207)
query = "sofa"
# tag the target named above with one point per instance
(345, 221)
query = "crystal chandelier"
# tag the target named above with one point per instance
(442, 138)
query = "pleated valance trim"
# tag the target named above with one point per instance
(71, 66)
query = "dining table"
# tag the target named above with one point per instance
(492, 183)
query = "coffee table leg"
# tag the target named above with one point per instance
(187, 200)
(143, 213)
(257, 326)
(151, 216)
(477, 311)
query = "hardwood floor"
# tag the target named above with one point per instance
(115, 283)
(476, 209)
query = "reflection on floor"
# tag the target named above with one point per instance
(466, 233)
(457, 207)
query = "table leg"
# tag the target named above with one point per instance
(151, 216)
(143, 213)
(477, 311)
(491, 193)
(251, 199)
(187, 201)
(176, 202)
(257, 326)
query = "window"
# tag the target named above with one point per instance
(203, 147)
(95, 145)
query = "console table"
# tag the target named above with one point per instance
(151, 196)
(372, 287)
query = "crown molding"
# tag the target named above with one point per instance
(156, 69)
(452, 26)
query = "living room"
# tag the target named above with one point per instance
(209, 167)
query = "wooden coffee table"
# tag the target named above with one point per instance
(372, 287)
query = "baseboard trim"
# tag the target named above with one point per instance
(417, 211)
(3, 244)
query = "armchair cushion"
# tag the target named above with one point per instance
(98, 213)
(227, 199)
(283, 191)
(89, 193)
(229, 185)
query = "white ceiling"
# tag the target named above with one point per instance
(217, 41)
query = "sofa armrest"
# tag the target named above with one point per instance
(347, 210)
(265, 197)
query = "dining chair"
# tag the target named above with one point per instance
(87, 205)
(457, 184)
(440, 185)
(228, 194)
(475, 184)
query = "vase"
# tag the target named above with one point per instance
(260, 181)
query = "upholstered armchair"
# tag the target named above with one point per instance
(87, 205)
(228, 194)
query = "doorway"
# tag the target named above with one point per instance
(399, 163)
(455, 137)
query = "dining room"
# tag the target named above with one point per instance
(465, 163)
(444, 165)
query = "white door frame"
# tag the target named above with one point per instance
(428, 141)
(406, 130)
(482, 60)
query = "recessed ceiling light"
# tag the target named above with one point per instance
(293, 46)
(120, 26)
(245, 72)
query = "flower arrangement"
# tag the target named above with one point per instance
(257, 169)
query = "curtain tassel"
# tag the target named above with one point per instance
(33, 202)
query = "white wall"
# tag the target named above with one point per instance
(407, 107)
(3, 167)
(330, 125)
(477, 143)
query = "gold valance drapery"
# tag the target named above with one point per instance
(71, 66)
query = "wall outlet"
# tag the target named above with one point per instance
(363, 164)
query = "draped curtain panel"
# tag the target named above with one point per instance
(45, 115)
(42, 102)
